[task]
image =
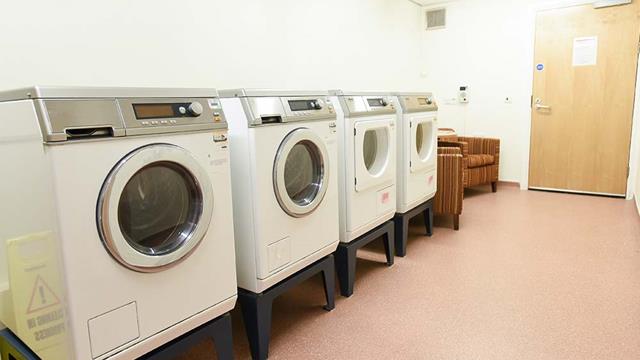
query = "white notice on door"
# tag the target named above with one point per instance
(585, 51)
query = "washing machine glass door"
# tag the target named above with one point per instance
(423, 144)
(155, 207)
(301, 172)
(373, 149)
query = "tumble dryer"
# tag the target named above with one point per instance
(285, 189)
(367, 157)
(417, 162)
(117, 233)
(417, 149)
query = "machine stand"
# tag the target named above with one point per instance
(346, 255)
(12, 348)
(256, 308)
(219, 329)
(402, 225)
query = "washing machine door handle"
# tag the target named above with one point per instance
(155, 207)
(301, 172)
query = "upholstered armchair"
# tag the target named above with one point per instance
(450, 191)
(481, 159)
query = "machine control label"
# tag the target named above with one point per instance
(214, 103)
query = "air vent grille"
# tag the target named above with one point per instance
(436, 19)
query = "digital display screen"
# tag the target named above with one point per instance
(154, 111)
(376, 102)
(302, 105)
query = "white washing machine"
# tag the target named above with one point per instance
(367, 156)
(285, 182)
(117, 233)
(417, 149)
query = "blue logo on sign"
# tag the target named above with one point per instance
(540, 67)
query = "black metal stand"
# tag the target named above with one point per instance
(346, 255)
(402, 225)
(12, 348)
(256, 308)
(218, 329)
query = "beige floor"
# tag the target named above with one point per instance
(530, 275)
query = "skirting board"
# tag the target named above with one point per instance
(508, 183)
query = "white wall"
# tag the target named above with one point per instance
(634, 178)
(361, 44)
(636, 193)
(488, 45)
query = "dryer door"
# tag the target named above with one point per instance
(154, 207)
(301, 172)
(374, 149)
(424, 138)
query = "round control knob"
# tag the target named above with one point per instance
(384, 102)
(317, 106)
(195, 109)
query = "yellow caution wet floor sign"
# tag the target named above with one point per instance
(36, 293)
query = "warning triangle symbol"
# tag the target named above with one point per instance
(42, 296)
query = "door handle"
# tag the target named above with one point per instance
(539, 105)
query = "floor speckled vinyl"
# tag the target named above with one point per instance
(530, 275)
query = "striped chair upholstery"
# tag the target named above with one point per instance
(448, 199)
(482, 157)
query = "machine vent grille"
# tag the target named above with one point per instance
(436, 19)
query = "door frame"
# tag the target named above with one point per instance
(634, 151)
(360, 171)
(110, 233)
(413, 130)
(293, 138)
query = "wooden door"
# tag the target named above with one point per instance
(583, 94)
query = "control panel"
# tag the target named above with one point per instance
(417, 102)
(367, 105)
(170, 113)
(275, 110)
(71, 119)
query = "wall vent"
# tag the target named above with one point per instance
(436, 19)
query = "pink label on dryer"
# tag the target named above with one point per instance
(385, 198)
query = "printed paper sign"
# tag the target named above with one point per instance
(585, 51)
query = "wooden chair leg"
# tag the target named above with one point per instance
(456, 222)
(494, 186)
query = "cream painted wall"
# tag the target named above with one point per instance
(488, 46)
(362, 44)
(637, 190)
